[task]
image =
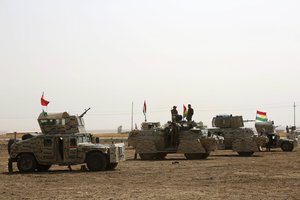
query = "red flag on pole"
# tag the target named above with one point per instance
(44, 102)
(144, 108)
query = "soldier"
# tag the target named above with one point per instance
(174, 113)
(190, 113)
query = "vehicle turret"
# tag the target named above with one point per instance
(265, 127)
(60, 123)
(227, 121)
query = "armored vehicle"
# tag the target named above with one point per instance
(63, 141)
(268, 129)
(154, 141)
(236, 137)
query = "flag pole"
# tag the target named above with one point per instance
(294, 114)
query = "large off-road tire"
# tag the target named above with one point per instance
(96, 161)
(287, 146)
(111, 166)
(245, 154)
(196, 156)
(147, 156)
(26, 163)
(10, 142)
(42, 168)
(160, 156)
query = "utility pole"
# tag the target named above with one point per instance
(294, 114)
(132, 116)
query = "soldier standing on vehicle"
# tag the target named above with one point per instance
(174, 113)
(190, 113)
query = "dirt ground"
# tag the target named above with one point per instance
(224, 175)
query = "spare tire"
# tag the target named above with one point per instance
(10, 142)
(28, 135)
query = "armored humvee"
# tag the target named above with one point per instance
(63, 141)
(236, 137)
(154, 141)
(268, 129)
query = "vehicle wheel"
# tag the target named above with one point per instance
(10, 142)
(287, 146)
(243, 153)
(42, 168)
(111, 166)
(147, 156)
(96, 162)
(26, 163)
(196, 156)
(160, 156)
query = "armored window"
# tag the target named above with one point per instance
(47, 142)
(88, 139)
(44, 122)
(73, 142)
(51, 122)
(79, 139)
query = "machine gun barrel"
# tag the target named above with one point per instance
(249, 120)
(85, 111)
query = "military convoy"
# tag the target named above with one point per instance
(268, 129)
(154, 141)
(236, 137)
(63, 141)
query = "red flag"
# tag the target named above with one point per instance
(44, 102)
(261, 113)
(144, 108)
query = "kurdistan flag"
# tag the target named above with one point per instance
(261, 116)
(184, 111)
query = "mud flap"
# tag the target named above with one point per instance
(191, 146)
(10, 166)
(245, 145)
(145, 146)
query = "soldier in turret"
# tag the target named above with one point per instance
(190, 113)
(174, 113)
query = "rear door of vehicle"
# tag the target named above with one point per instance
(71, 149)
(48, 153)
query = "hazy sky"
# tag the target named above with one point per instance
(230, 56)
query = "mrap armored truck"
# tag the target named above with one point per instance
(236, 137)
(63, 141)
(275, 141)
(154, 142)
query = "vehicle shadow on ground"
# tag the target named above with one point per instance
(55, 172)
(164, 160)
(236, 156)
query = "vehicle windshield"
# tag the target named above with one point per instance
(83, 139)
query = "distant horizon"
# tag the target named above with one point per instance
(89, 131)
(94, 131)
